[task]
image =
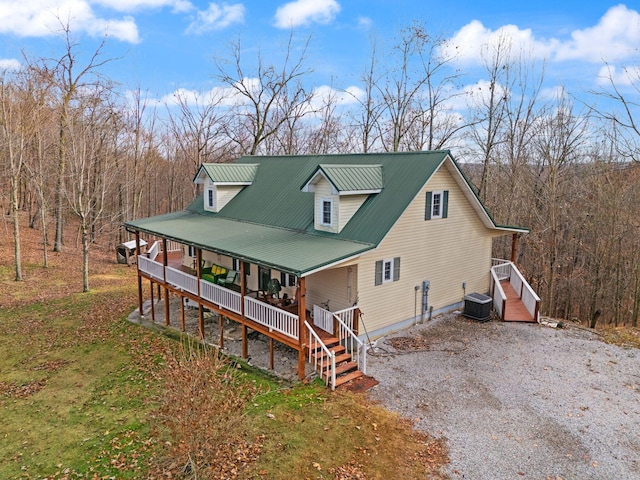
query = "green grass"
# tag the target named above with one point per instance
(71, 391)
(83, 395)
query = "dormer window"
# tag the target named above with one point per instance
(327, 207)
(340, 190)
(223, 181)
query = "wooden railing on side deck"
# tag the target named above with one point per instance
(221, 296)
(507, 270)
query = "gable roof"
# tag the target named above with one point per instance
(271, 222)
(349, 179)
(227, 173)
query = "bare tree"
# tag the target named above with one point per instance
(265, 101)
(70, 78)
(13, 142)
(626, 118)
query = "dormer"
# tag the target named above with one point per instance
(223, 181)
(340, 190)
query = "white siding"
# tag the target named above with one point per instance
(323, 191)
(333, 285)
(225, 194)
(349, 205)
(445, 251)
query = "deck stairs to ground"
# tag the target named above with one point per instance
(346, 368)
(515, 311)
(514, 299)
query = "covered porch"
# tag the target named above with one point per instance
(290, 321)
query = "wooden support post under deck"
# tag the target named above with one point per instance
(243, 292)
(153, 309)
(165, 262)
(182, 326)
(302, 331)
(514, 243)
(200, 307)
(271, 364)
(220, 332)
(138, 253)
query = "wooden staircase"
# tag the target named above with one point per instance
(346, 368)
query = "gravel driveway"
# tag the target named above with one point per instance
(516, 400)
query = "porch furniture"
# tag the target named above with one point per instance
(214, 272)
(228, 279)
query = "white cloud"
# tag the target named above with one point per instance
(41, 18)
(616, 36)
(326, 95)
(176, 6)
(9, 64)
(365, 22)
(216, 17)
(622, 77)
(469, 43)
(305, 12)
(617, 33)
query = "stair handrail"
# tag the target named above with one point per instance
(352, 338)
(316, 342)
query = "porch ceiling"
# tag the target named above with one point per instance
(285, 250)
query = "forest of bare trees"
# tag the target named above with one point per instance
(74, 147)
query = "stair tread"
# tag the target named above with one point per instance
(338, 350)
(348, 377)
(343, 368)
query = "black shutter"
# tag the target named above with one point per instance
(445, 204)
(427, 210)
(378, 272)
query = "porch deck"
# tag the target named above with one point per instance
(515, 311)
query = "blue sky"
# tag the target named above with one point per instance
(163, 45)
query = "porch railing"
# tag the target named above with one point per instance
(272, 317)
(323, 319)
(348, 317)
(223, 297)
(324, 360)
(499, 297)
(507, 270)
(182, 280)
(151, 267)
(154, 250)
(352, 343)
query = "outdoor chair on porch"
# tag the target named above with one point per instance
(228, 279)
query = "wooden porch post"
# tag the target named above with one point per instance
(165, 262)
(243, 292)
(139, 276)
(514, 243)
(182, 326)
(153, 309)
(200, 307)
(302, 331)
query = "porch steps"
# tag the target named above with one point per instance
(346, 369)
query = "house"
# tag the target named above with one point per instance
(316, 247)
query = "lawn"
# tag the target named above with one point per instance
(86, 394)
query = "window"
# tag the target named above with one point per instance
(236, 266)
(387, 271)
(192, 251)
(264, 277)
(210, 198)
(288, 280)
(437, 205)
(327, 207)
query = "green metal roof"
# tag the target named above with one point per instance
(353, 178)
(228, 172)
(284, 250)
(271, 221)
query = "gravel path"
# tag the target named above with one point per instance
(516, 400)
